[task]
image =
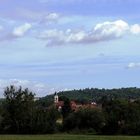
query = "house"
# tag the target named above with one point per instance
(73, 104)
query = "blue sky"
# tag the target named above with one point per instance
(53, 45)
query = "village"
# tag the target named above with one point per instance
(74, 106)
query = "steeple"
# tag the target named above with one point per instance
(56, 99)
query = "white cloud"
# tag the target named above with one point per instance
(133, 65)
(105, 31)
(21, 30)
(110, 30)
(59, 37)
(17, 32)
(135, 29)
(34, 16)
(101, 32)
(52, 17)
(40, 89)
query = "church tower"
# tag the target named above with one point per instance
(56, 99)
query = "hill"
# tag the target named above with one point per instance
(96, 95)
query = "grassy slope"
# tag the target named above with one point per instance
(66, 137)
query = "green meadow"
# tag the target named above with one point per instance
(66, 137)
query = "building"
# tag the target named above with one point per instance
(56, 98)
(73, 104)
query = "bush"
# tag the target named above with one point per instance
(85, 119)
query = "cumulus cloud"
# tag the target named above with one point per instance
(40, 89)
(110, 30)
(35, 16)
(21, 30)
(59, 37)
(17, 32)
(101, 32)
(133, 65)
(51, 17)
(135, 29)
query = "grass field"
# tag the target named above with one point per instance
(66, 137)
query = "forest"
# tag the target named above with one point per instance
(94, 94)
(20, 113)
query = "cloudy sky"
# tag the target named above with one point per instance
(52, 45)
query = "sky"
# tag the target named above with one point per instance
(55, 45)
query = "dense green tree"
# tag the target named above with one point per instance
(66, 108)
(122, 117)
(97, 95)
(44, 120)
(18, 110)
(119, 114)
(132, 119)
(85, 119)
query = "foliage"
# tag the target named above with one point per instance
(45, 120)
(18, 110)
(85, 119)
(97, 95)
(118, 112)
(122, 117)
(21, 114)
(66, 108)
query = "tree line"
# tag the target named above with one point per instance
(97, 95)
(21, 114)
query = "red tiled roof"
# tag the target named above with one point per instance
(75, 106)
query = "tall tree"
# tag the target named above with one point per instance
(18, 110)
(66, 108)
